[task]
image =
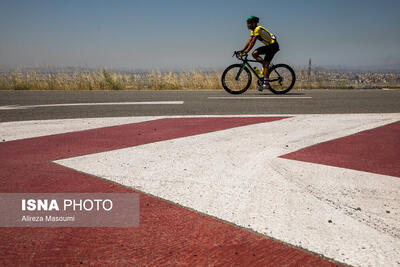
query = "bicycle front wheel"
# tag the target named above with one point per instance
(281, 78)
(236, 80)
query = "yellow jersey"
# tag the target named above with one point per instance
(263, 35)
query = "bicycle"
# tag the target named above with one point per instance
(237, 78)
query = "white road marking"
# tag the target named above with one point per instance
(236, 175)
(16, 130)
(259, 97)
(92, 104)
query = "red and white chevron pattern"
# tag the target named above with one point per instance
(325, 183)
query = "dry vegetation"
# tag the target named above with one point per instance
(106, 80)
(79, 79)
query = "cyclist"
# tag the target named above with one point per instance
(270, 48)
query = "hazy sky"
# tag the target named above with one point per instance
(190, 34)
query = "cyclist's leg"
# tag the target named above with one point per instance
(256, 54)
(272, 49)
(266, 67)
(259, 51)
(263, 50)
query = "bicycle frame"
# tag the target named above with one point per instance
(245, 63)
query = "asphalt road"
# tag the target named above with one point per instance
(22, 105)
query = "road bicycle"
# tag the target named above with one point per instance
(236, 78)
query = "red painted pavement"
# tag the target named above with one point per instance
(375, 151)
(168, 234)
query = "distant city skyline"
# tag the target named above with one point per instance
(178, 35)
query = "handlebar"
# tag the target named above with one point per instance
(237, 55)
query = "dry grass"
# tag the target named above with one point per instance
(37, 79)
(106, 80)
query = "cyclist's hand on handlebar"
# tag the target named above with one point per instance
(240, 54)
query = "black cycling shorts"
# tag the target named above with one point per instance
(269, 51)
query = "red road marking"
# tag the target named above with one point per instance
(168, 234)
(375, 151)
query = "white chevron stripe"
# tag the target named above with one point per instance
(17, 130)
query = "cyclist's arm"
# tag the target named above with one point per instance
(249, 45)
(246, 45)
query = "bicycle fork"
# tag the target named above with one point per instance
(239, 72)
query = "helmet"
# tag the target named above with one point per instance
(253, 19)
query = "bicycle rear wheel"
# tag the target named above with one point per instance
(282, 78)
(235, 82)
